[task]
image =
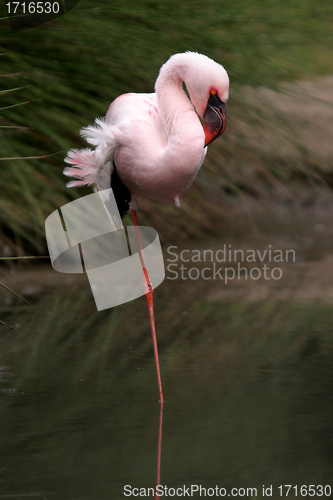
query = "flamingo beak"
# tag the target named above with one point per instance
(215, 119)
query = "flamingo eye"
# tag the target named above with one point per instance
(213, 92)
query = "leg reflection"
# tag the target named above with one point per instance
(159, 450)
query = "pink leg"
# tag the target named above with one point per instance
(149, 298)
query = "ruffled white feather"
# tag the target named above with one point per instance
(93, 166)
(96, 134)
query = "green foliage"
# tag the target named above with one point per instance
(76, 65)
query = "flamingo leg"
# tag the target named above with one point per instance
(149, 298)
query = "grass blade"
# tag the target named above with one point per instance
(10, 290)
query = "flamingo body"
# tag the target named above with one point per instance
(155, 143)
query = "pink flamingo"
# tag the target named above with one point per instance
(152, 145)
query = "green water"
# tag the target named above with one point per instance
(248, 395)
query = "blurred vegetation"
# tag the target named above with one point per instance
(76, 65)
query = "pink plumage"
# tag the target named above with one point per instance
(155, 143)
(83, 167)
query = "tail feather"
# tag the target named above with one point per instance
(83, 167)
(93, 166)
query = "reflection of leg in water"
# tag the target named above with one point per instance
(159, 449)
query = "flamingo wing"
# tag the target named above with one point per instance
(139, 118)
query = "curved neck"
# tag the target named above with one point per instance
(175, 107)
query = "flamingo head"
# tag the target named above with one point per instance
(207, 83)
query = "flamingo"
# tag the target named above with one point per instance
(152, 145)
